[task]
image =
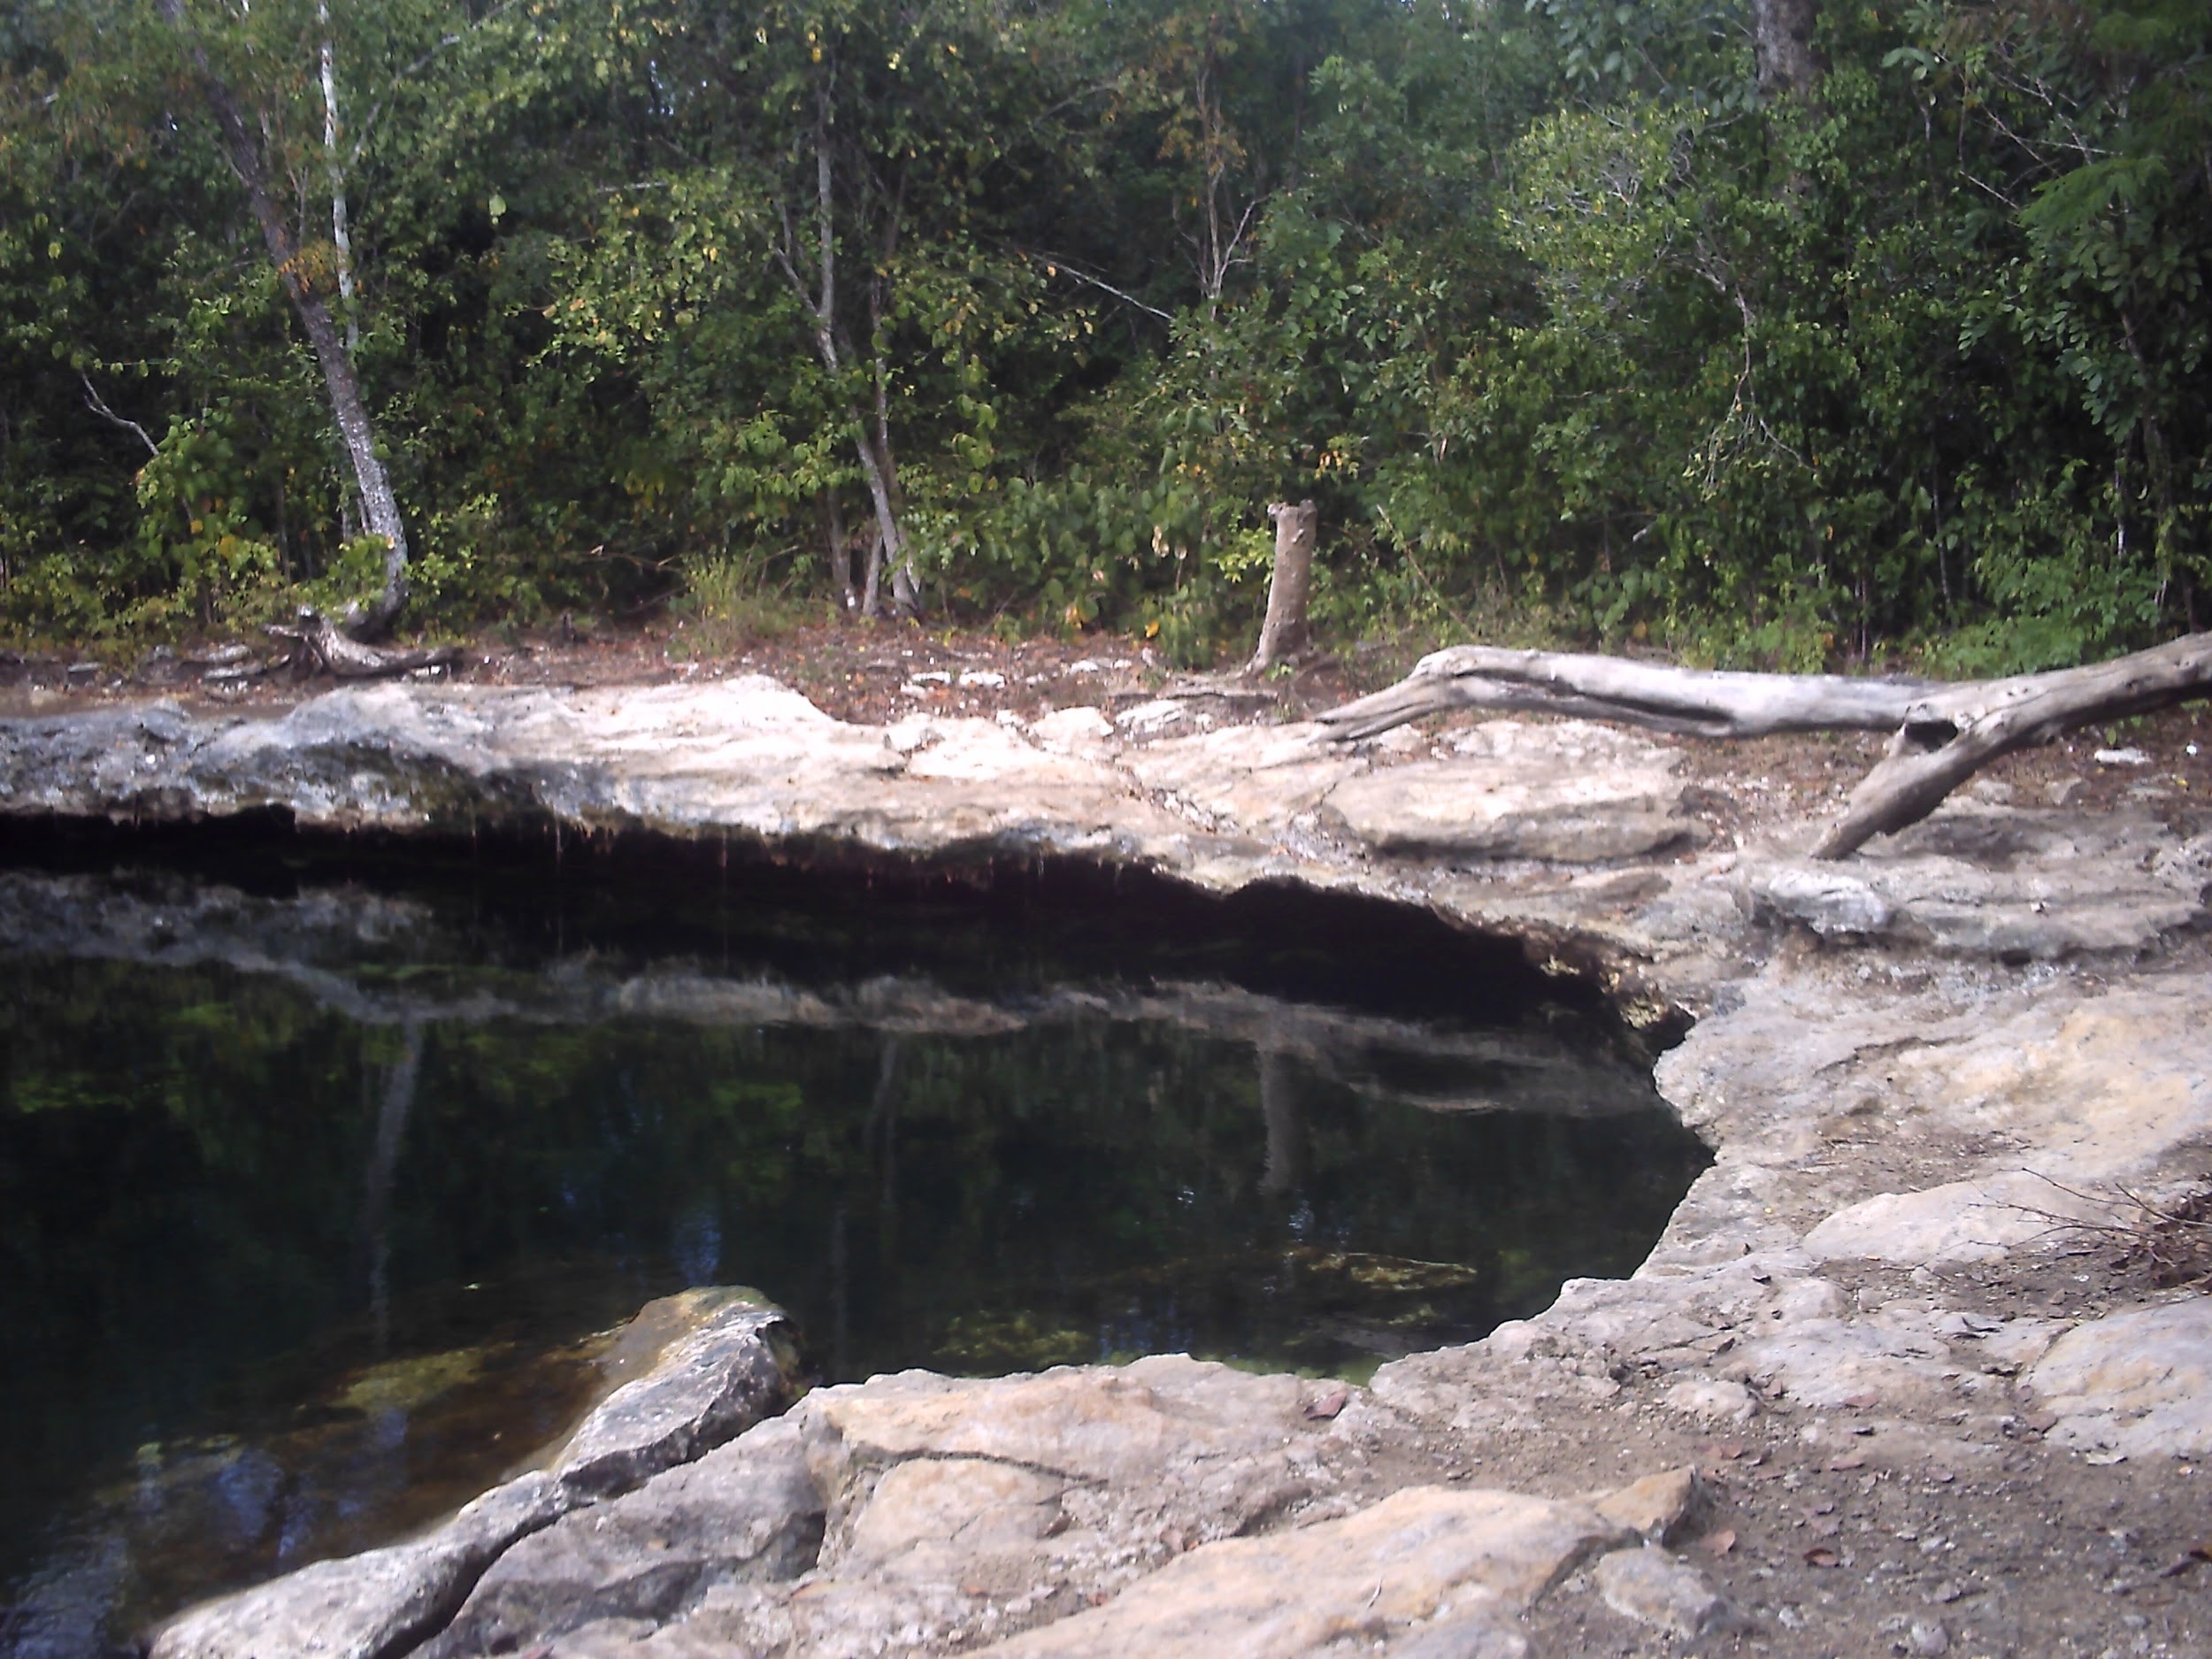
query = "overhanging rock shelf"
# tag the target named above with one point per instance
(1577, 838)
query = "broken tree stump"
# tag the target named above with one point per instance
(1283, 635)
(1943, 731)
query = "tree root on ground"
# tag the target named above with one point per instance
(316, 646)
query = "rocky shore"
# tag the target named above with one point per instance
(1900, 1376)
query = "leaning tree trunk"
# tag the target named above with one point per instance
(1944, 733)
(906, 595)
(301, 279)
(1283, 635)
(890, 546)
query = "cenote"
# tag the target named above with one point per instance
(324, 1167)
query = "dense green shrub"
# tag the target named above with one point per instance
(1571, 331)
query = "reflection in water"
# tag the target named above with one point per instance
(1279, 1108)
(376, 1200)
(310, 1204)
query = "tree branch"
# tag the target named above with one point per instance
(93, 402)
(1944, 732)
(1063, 268)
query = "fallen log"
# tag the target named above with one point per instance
(1943, 731)
(1948, 737)
(317, 645)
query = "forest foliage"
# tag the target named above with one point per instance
(1602, 321)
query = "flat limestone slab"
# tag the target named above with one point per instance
(963, 1509)
(1995, 880)
(1155, 1419)
(1389, 1567)
(1570, 792)
(2086, 1093)
(2137, 1383)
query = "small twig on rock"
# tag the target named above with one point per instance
(2174, 1238)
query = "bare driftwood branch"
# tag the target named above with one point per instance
(317, 647)
(99, 406)
(1944, 732)
(1945, 738)
(1694, 703)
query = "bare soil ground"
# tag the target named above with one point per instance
(1832, 1533)
(1836, 1534)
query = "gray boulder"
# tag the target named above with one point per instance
(745, 1512)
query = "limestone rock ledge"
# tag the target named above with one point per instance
(1918, 1071)
(730, 1370)
(1579, 840)
(1167, 1507)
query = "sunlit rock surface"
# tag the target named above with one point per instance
(2137, 1383)
(710, 1381)
(1091, 1511)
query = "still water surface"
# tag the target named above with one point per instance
(315, 1187)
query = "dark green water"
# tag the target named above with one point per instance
(312, 1185)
